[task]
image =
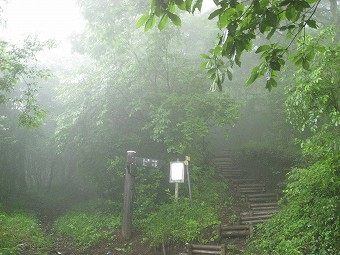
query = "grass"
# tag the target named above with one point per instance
(19, 232)
(89, 224)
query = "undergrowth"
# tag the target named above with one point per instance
(20, 232)
(89, 224)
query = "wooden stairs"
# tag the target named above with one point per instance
(249, 193)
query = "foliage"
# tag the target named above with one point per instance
(150, 193)
(20, 73)
(179, 121)
(90, 226)
(314, 103)
(309, 221)
(178, 222)
(133, 94)
(20, 232)
(240, 22)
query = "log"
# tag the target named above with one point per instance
(255, 219)
(250, 190)
(265, 208)
(254, 205)
(236, 233)
(235, 230)
(254, 222)
(244, 180)
(251, 185)
(194, 249)
(261, 197)
(269, 212)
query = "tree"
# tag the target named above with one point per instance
(312, 192)
(20, 73)
(133, 93)
(240, 23)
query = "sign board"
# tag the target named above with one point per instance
(147, 162)
(176, 172)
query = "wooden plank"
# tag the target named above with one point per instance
(206, 247)
(235, 233)
(244, 180)
(205, 252)
(253, 205)
(233, 227)
(252, 185)
(195, 249)
(262, 195)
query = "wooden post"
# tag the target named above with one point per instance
(186, 163)
(128, 196)
(176, 191)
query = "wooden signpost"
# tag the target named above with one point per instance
(131, 164)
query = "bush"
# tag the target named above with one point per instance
(20, 231)
(178, 222)
(88, 227)
(309, 223)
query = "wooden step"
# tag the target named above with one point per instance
(266, 212)
(252, 185)
(267, 204)
(231, 231)
(244, 180)
(261, 197)
(254, 219)
(199, 249)
(250, 190)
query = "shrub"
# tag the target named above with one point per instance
(89, 226)
(309, 223)
(178, 222)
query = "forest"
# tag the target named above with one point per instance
(245, 93)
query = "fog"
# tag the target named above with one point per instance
(80, 85)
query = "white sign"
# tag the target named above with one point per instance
(176, 172)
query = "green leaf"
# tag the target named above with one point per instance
(204, 56)
(275, 65)
(230, 74)
(271, 83)
(311, 23)
(150, 23)
(204, 64)
(262, 48)
(226, 17)
(197, 5)
(271, 19)
(181, 4)
(215, 13)
(142, 20)
(218, 50)
(174, 18)
(262, 25)
(253, 76)
(164, 22)
(271, 33)
(305, 63)
(188, 4)
(257, 7)
(291, 14)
